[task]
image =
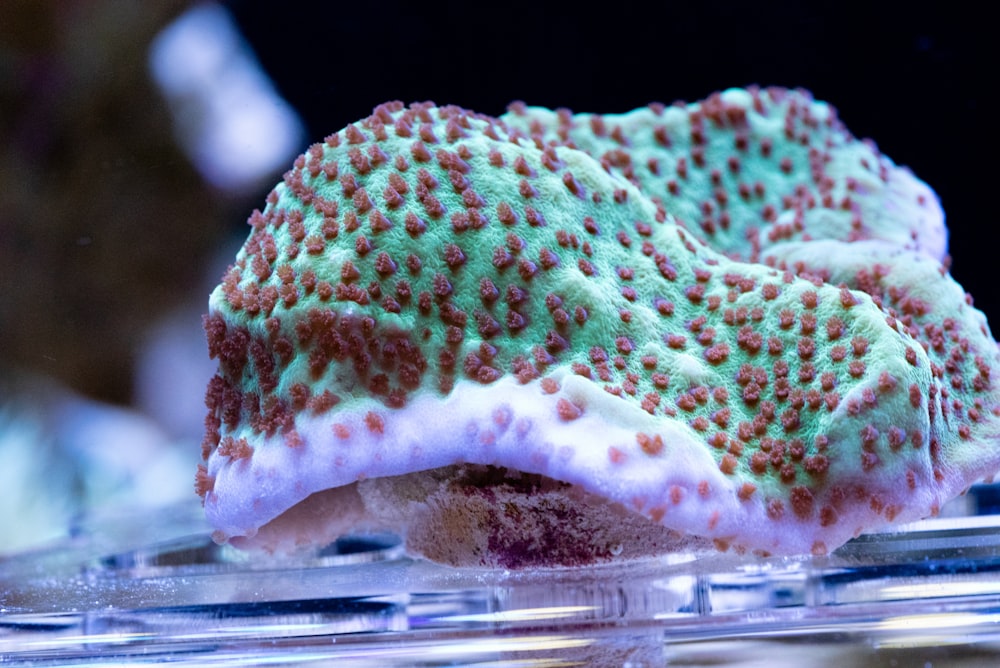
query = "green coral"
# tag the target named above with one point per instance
(426, 247)
(749, 170)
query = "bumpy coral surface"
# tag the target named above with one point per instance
(730, 318)
(749, 171)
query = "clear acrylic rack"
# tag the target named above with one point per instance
(124, 592)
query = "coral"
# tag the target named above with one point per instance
(747, 171)
(919, 298)
(431, 287)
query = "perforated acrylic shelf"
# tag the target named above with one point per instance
(128, 593)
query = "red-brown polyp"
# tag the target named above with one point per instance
(495, 336)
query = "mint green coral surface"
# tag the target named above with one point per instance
(748, 171)
(808, 359)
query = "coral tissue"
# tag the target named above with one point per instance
(549, 338)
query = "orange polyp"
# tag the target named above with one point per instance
(567, 410)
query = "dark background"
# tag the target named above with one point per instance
(103, 226)
(914, 78)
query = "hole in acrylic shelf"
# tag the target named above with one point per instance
(362, 548)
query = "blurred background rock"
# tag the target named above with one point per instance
(114, 225)
(135, 137)
(104, 221)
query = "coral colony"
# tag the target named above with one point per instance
(549, 338)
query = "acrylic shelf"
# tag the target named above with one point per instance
(125, 593)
